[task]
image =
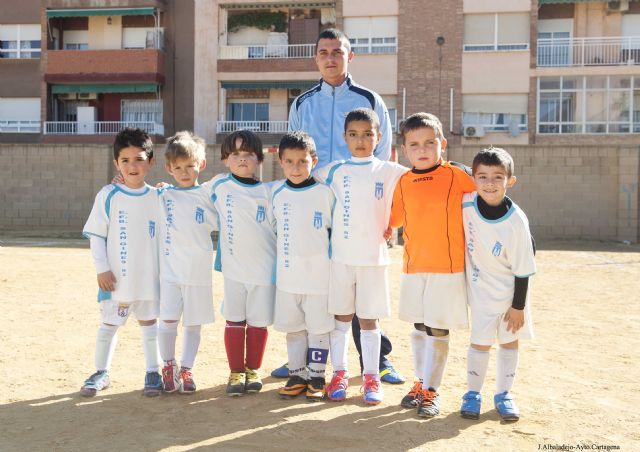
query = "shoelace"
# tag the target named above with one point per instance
(370, 384)
(415, 389)
(186, 374)
(426, 397)
(337, 382)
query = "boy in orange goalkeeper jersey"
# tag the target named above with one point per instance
(427, 203)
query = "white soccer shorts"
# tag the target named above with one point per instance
(363, 290)
(193, 303)
(296, 312)
(113, 312)
(487, 327)
(248, 302)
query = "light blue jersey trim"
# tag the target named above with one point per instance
(351, 162)
(278, 190)
(195, 187)
(467, 204)
(217, 265)
(213, 189)
(499, 220)
(332, 171)
(116, 189)
(88, 235)
(288, 187)
(233, 179)
(103, 295)
(333, 208)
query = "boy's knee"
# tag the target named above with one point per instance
(510, 345)
(481, 348)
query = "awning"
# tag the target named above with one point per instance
(295, 84)
(110, 88)
(147, 11)
(318, 4)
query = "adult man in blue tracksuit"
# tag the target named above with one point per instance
(321, 112)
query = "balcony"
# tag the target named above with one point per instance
(610, 51)
(270, 131)
(111, 66)
(99, 127)
(19, 126)
(262, 52)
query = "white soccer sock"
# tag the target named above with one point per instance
(418, 343)
(297, 353)
(150, 347)
(106, 341)
(339, 345)
(370, 343)
(319, 352)
(190, 344)
(167, 334)
(506, 366)
(435, 357)
(477, 363)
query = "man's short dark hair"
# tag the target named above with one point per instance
(298, 140)
(334, 33)
(362, 114)
(494, 157)
(129, 137)
(249, 142)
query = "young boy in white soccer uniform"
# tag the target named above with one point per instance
(247, 258)
(122, 229)
(302, 209)
(363, 186)
(499, 261)
(186, 259)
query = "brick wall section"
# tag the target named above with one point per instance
(568, 192)
(427, 78)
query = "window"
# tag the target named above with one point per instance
(19, 41)
(76, 40)
(393, 117)
(142, 110)
(492, 32)
(591, 105)
(19, 115)
(253, 112)
(372, 34)
(496, 112)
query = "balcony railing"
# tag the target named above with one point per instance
(99, 127)
(262, 52)
(560, 52)
(254, 126)
(19, 126)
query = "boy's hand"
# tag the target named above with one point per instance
(387, 234)
(514, 319)
(106, 281)
(162, 185)
(117, 179)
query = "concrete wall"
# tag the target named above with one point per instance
(569, 192)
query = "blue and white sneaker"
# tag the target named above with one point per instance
(152, 384)
(281, 372)
(96, 382)
(390, 375)
(372, 390)
(506, 406)
(471, 402)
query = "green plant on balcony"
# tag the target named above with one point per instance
(263, 20)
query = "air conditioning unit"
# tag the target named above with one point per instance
(473, 131)
(87, 96)
(617, 6)
(67, 96)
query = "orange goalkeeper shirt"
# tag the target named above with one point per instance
(428, 205)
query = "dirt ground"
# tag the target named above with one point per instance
(577, 384)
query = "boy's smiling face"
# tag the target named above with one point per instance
(362, 138)
(134, 165)
(492, 182)
(185, 171)
(297, 164)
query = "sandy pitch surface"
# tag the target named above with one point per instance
(577, 383)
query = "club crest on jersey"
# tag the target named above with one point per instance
(379, 192)
(497, 249)
(152, 229)
(123, 310)
(317, 220)
(260, 214)
(199, 215)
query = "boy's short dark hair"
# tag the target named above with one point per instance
(187, 145)
(129, 137)
(298, 140)
(494, 157)
(334, 33)
(249, 142)
(362, 114)
(420, 120)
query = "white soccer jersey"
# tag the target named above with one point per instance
(129, 222)
(186, 249)
(247, 240)
(364, 191)
(496, 252)
(303, 218)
